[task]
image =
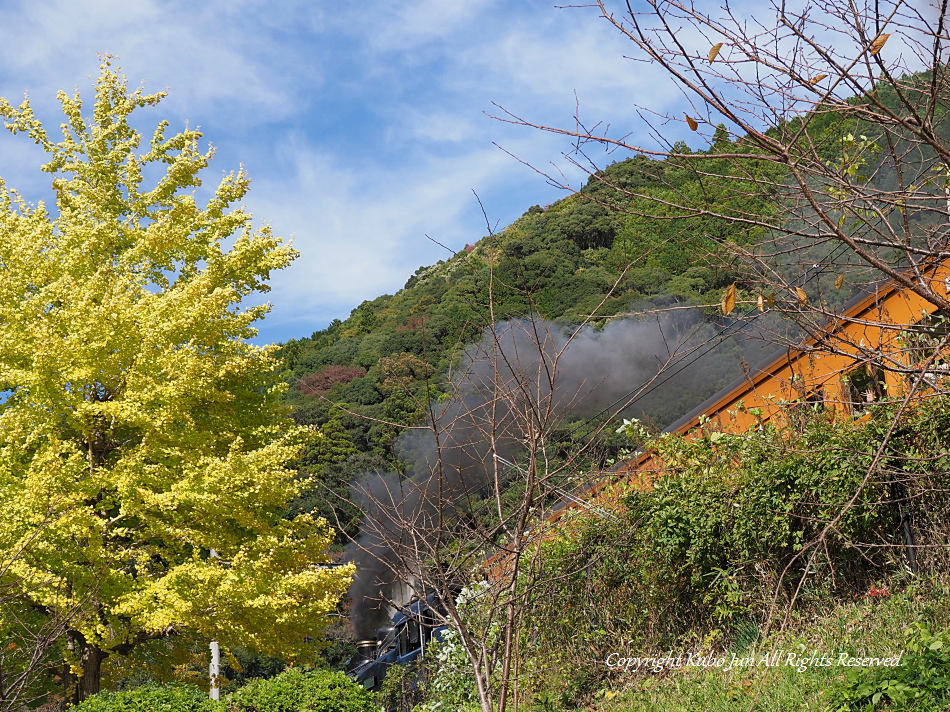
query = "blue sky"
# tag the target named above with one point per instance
(362, 124)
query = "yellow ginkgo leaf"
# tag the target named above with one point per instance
(839, 282)
(761, 303)
(814, 80)
(132, 338)
(714, 52)
(802, 297)
(691, 122)
(878, 43)
(729, 300)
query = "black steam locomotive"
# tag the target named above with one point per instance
(404, 640)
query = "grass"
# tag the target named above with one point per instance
(871, 626)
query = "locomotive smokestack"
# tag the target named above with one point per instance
(365, 650)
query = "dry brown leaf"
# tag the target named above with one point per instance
(691, 122)
(714, 52)
(771, 300)
(839, 282)
(878, 43)
(729, 300)
(761, 303)
(814, 80)
(802, 297)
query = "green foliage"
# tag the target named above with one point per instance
(727, 533)
(401, 688)
(243, 665)
(729, 502)
(451, 682)
(861, 627)
(297, 691)
(921, 681)
(152, 698)
(450, 678)
(333, 444)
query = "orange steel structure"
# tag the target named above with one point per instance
(818, 370)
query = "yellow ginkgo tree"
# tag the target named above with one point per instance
(143, 445)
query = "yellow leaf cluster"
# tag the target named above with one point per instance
(139, 429)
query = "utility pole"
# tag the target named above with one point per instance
(214, 670)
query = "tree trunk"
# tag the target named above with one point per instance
(90, 661)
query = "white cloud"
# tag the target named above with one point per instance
(402, 27)
(361, 234)
(439, 126)
(573, 50)
(206, 54)
(361, 124)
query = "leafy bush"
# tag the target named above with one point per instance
(921, 682)
(297, 691)
(401, 688)
(451, 684)
(448, 678)
(152, 698)
(728, 531)
(243, 665)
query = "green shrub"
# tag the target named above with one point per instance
(297, 691)
(450, 684)
(152, 698)
(728, 532)
(921, 682)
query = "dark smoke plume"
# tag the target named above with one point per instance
(500, 393)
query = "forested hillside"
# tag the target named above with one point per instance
(642, 237)
(594, 255)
